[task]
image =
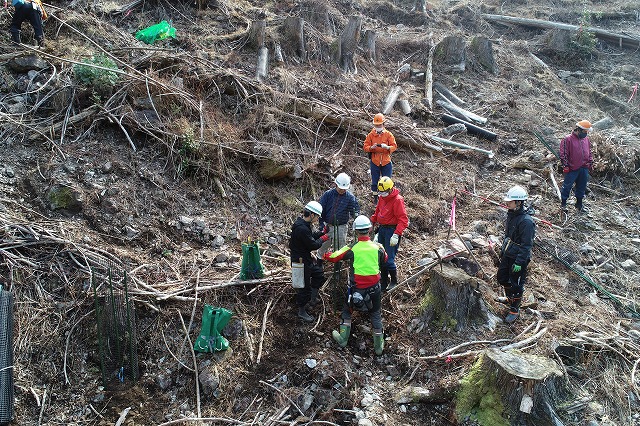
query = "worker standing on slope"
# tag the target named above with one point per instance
(379, 145)
(338, 207)
(577, 162)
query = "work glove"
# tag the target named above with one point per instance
(516, 268)
(375, 238)
(327, 255)
(384, 146)
(325, 230)
(393, 241)
(565, 170)
(325, 237)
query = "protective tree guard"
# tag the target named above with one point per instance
(6, 356)
(213, 321)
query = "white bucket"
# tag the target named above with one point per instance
(297, 275)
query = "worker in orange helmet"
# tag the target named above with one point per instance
(379, 145)
(577, 162)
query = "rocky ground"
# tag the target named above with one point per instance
(159, 170)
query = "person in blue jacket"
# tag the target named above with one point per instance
(338, 207)
(516, 251)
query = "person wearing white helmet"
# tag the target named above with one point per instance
(339, 205)
(364, 292)
(516, 251)
(302, 242)
(577, 162)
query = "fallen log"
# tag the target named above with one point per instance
(471, 128)
(461, 113)
(622, 40)
(263, 61)
(444, 90)
(390, 99)
(462, 146)
(52, 130)
(428, 81)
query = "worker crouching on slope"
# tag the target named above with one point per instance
(516, 251)
(391, 216)
(364, 292)
(302, 242)
(379, 145)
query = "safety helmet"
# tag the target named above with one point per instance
(361, 222)
(385, 184)
(516, 193)
(314, 207)
(343, 181)
(584, 124)
(378, 119)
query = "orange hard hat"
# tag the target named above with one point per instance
(378, 119)
(584, 124)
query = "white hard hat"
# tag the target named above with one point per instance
(361, 222)
(314, 207)
(343, 181)
(516, 193)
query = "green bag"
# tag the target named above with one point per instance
(213, 321)
(156, 32)
(251, 265)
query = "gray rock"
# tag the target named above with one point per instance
(8, 171)
(164, 381)
(130, 231)
(209, 380)
(199, 223)
(586, 248)
(185, 220)
(365, 422)
(26, 63)
(628, 264)
(453, 129)
(107, 167)
(218, 241)
(63, 197)
(32, 74)
(272, 240)
(222, 257)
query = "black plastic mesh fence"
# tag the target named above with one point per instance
(551, 247)
(6, 356)
(116, 326)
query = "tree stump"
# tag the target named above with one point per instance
(349, 43)
(482, 49)
(511, 388)
(370, 45)
(294, 37)
(451, 52)
(256, 34)
(453, 299)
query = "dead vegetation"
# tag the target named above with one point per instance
(165, 158)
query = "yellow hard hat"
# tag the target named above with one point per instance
(378, 119)
(385, 184)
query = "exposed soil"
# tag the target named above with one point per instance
(159, 214)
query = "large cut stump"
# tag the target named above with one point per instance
(482, 49)
(294, 37)
(451, 53)
(511, 388)
(349, 43)
(454, 299)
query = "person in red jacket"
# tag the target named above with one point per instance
(379, 145)
(391, 216)
(577, 162)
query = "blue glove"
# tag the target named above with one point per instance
(516, 268)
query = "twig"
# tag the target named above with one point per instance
(525, 341)
(123, 416)
(264, 327)
(283, 394)
(195, 363)
(66, 346)
(44, 399)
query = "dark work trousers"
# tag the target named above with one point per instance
(26, 12)
(580, 177)
(377, 172)
(513, 282)
(313, 278)
(375, 313)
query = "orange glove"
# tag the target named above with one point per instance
(325, 237)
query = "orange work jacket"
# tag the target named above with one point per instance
(380, 156)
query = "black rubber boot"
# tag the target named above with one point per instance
(314, 297)
(40, 41)
(579, 205)
(394, 279)
(514, 311)
(303, 315)
(384, 279)
(15, 37)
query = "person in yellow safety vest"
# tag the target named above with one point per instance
(364, 292)
(379, 145)
(31, 10)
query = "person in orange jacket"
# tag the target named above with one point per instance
(391, 216)
(379, 145)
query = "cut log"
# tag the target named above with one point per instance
(482, 49)
(471, 128)
(618, 39)
(428, 80)
(461, 113)
(420, 395)
(263, 62)
(404, 106)
(511, 388)
(453, 299)
(604, 123)
(256, 34)
(390, 99)
(462, 146)
(446, 92)
(451, 52)
(370, 45)
(294, 37)
(277, 53)
(349, 43)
